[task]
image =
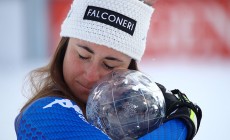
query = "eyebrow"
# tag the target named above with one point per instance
(91, 51)
(86, 48)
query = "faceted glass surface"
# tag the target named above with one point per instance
(126, 104)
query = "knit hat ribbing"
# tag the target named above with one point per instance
(118, 24)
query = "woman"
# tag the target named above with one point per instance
(98, 36)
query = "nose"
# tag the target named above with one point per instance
(92, 74)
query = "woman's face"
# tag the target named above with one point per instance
(85, 63)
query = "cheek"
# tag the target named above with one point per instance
(71, 67)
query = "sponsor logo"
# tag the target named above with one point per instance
(67, 104)
(111, 18)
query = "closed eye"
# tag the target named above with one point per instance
(82, 57)
(108, 67)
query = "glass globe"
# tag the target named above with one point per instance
(126, 104)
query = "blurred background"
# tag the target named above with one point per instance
(188, 48)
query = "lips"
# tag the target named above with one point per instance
(85, 87)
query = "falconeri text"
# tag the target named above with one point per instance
(111, 18)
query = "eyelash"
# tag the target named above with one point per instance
(83, 58)
(106, 66)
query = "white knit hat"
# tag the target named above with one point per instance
(118, 24)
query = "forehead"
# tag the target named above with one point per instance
(97, 49)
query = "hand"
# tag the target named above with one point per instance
(179, 106)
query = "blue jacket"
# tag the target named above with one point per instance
(58, 118)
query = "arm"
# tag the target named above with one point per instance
(55, 118)
(178, 106)
(182, 118)
(172, 130)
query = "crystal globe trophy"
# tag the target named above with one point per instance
(125, 104)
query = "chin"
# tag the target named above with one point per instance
(81, 93)
(82, 96)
